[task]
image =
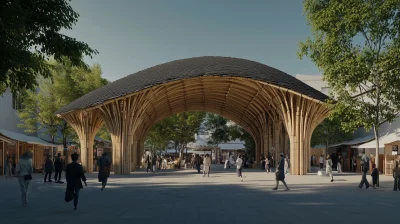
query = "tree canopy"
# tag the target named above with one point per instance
(69, 83)
(217, 127)
(237, 132)
(30, 34)
(329, 132)
(180, 129)
(356, 44)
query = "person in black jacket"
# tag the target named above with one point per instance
(74, 174)
(58, 169)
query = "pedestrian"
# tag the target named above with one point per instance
(9, 168)
(339, 164)
(268, 165)
(374, 175)
(24, 171)
(396, 176)
(329, 165)
(74, 174)
(239, 166)
(206, 165)
(104, 165)
(280, 173)
(354, 162)
(148, 161)
(321, 162)
(48, 168)
(154, 163)
(197, 162)
(262, 159)
(58, 169)
(365, 168)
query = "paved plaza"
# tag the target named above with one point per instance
(182, 196)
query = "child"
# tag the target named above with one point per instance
(375, 175)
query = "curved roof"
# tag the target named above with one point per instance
(191, 68)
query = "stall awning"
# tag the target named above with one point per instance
(384, 139)
(25, 138)
(355, 141)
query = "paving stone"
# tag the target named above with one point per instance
(183, 196)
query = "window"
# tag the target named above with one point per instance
(16, 101)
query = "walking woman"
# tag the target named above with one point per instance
(9, 168)
(148, 163)
(104, 165)
(239, 165)
(329, 167)
(24, 172)
(74, 174)
(207, 165)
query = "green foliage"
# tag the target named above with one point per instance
(237, 132)
(329, 132)
(104, 134)
(356, 44)
(69, 83)
(39, 109)
(218, 128)
(30, 35)
(179, 128)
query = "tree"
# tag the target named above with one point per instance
(69, 83)
(329, 132)
(185, 126)
(30, 35)
(39, 110)
(217, 125)
(160, 135)
(179, 129)
(356, 44)
(237, 132)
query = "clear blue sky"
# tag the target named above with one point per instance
(132, 35)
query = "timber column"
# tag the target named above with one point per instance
(301, 115)
(86, 124)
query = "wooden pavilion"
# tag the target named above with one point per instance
(270, 104)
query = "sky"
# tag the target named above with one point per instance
(132, 35)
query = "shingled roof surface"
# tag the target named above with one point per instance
(191, 68)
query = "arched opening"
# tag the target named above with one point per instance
(180, 136)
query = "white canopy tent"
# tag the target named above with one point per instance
(384, 139)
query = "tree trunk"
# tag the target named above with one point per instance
(376, 132)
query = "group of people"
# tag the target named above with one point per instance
(74, 174)
(57, 167)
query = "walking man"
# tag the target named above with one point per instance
(58, 169)
(365, 168)
(74, 174)
(48, 168)
(280, 173)
(197, 162)
(321, 163)
(104, 164)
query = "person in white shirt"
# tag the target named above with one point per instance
(239, 165)
(329, 166)
(321, 163)
(207, 165)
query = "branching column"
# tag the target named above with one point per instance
(122, 118)
(86, 124)
(300, 116)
